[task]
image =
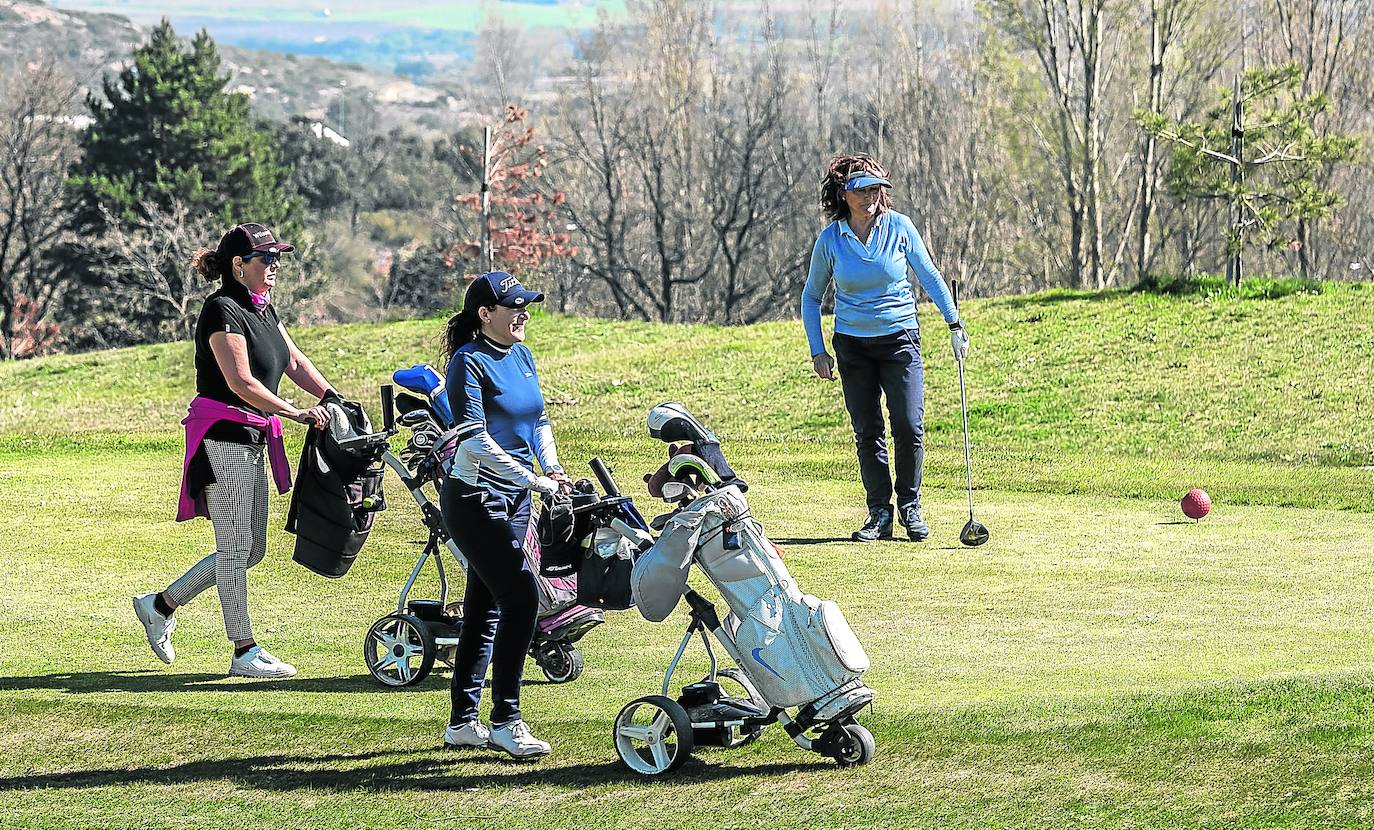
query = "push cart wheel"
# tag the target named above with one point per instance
(854, 747)
(749, 734)
(560, 662)
(399, 650)
(653, 735)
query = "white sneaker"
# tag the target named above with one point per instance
(158, 628)
(258, 662)
(470, 734)
(516, 739)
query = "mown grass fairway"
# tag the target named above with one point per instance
(1100, 663)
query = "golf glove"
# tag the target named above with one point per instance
(958, 340)
(545, 485)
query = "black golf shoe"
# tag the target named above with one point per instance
(916, 528)
(878, 526)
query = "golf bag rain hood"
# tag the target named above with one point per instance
(327, 513)
(671, 422)
(797, 649)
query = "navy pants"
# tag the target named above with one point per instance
(501, 603)
(872, 368)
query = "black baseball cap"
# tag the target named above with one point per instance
(248, 238)
(499, 288)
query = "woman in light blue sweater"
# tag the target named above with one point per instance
(866, 250)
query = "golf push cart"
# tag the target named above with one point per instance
(797, 662)
(400, 649)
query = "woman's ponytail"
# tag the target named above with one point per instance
(206, 263)
(461, 330)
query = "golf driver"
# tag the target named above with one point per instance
(974, 533)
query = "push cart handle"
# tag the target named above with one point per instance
(388, 408)
(603, 475)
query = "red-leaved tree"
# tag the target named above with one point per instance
(30, 335)
(521, 213)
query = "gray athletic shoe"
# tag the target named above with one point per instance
(916, 528)
(469, 735)
(158, 628)
(878, 526)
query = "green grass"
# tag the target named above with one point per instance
(1099, 663)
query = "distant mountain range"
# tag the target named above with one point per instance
(348, 97)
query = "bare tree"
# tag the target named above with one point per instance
(1069, 41)
(756, 210)
(820, 46)
(146, 263)
(673, 166)
(1168, 22)
(591, 160)
(37, 147)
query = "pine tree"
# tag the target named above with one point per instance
(167, 132)
(170, 161)
(1259, 151)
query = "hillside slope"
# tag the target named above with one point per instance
(88, 44)
(1261, 401)
(1132, 395)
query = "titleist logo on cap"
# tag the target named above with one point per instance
(508, 282)
(261, 234)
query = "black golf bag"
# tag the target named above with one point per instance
(338, 489)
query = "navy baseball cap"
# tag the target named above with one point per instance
(499, 288)
(860, 179)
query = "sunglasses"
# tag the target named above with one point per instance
(267, 259)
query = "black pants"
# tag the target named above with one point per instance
(501, 603)
(872, 368)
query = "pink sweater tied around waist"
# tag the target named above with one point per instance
(205, 413)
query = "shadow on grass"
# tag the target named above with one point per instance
(151, 680)
(384, 771)
(820, 540)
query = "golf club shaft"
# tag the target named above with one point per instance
(968, 452)
(963, 408)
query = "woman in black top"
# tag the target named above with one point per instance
(242, 351)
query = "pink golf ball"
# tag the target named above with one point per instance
(1196, 503)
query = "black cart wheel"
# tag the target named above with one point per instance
(854, 747)
(653, 735)
(561, 662)
(399, 650)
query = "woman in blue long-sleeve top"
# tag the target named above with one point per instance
(502, 430)
(866, 250)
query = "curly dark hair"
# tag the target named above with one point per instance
(832, 184)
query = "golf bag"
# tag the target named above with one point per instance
(338, 490)
(571, 545)
(798, 650)
(432, 626)
(798, 663)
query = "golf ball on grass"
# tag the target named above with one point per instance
(1196, 503)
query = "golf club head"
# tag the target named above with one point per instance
(974, 533)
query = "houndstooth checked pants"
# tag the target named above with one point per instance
(238, 510)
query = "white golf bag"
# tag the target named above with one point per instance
(798, 650)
